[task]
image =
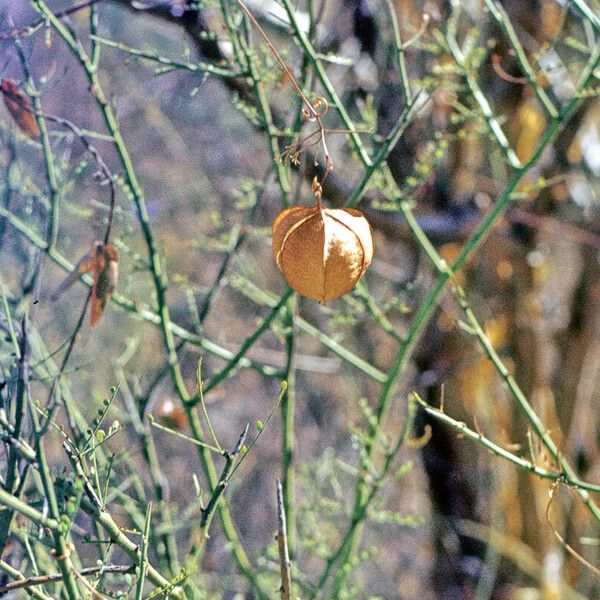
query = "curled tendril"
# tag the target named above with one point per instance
(319, 106)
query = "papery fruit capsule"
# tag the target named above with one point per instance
(322, 252)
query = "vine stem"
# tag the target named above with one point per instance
(309, 107)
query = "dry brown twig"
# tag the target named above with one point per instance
(52, 578)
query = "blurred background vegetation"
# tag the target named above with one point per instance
(480, 149)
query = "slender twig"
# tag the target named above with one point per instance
(182, 436)
(553, 491)
(230, 458)
(527, 465)
(498, 12)
(208, 512)
(307, 103)
(54, 577)
(33, 27)
(261, 296)
(76, 461)
(350, 538)
(8, 435)
(400, 50)
(12, 484)
(168, 550)
(11, 162)
(143, 564)
(235, 243)
(237, 465)
(27, 511)
(265, 110)
(106, 522)
(94, 20)
(200, 67)
(16, 574)
(233, 362)
(588, 13)
(199, 386)
(282, 544)
(491, 119)
(106, 175)
(388, 145)
(49, 161)
(62, 546)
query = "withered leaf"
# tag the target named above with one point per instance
(103, 262)
(106, 276)
(20, 108)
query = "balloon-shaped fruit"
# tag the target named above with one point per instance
(322, 252)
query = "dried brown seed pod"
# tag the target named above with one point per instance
(322, 252)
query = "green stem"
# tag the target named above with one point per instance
(250, 290)
(248, 343)
(49, 163)
(143, 564)
(27, 511)
(501, 17)
(105, 520)
(62, 547)
(350, 541)
(287, 426)
(401, 53)
(484, 105)
(12, 469)
(199, 67)
(588, 13)
(264, 109)
(384, 151)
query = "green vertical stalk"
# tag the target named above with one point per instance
(310, 53)
(11, 483)
(287, 424)
(400, 51)
(265, 112)
(143, 565)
